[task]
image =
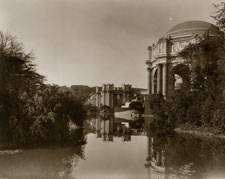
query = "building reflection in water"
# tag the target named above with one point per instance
(168, 156)
(108, 127)
(167, 161)
(174, 156)
(155, 159)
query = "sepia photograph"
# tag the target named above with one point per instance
(112, 89)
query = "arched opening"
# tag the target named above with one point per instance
(181, 76)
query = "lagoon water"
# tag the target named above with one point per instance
(120, 149)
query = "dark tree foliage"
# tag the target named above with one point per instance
(205, 58)
(52, 113)
(32, 112)
(159, 107)
(178, 103)
(18, 80)
(219, 15)
(198, 105)
(136, 105)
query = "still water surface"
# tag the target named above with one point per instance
(120, 149)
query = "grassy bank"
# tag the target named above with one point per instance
(206, 132)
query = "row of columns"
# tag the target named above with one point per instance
(162, 70)
(111, 99)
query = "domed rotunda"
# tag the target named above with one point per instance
(166, 69)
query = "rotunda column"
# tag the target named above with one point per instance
(149, 80)
(159, 79)
(164, 85)
(149, 63)
(153, 83)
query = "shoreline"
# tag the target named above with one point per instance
(208, 133)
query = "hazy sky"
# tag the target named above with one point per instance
(92, 42)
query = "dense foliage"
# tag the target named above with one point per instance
(82, 91)
(203, 102)
(31, 111)
(79, 91)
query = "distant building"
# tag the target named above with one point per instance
(111, 96)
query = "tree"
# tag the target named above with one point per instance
(18, 80)
(208, 78)
(219, 16)
(31, 111)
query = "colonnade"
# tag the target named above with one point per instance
(158, 79)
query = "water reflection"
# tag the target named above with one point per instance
(109, 127)
(50, 162)
(40, 163)
(184, 157)
(120, 149)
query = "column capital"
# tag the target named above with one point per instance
(148, 62)
(149, 69)
(149, 47)
(159, 64)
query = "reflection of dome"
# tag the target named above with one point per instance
(190, 28)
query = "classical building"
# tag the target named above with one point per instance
(111, 96)
(166, 69)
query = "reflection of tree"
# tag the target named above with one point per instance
(178, 158)
(203, 154)
(155, 161)
(42, 163)
(78, 137)
(71, 162)
(183, 156)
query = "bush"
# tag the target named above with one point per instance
(160, 109)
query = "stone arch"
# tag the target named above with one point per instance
(180, 76)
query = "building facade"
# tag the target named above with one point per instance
(111, 96)
(166, 69)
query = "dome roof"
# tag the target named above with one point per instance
(190, 27)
